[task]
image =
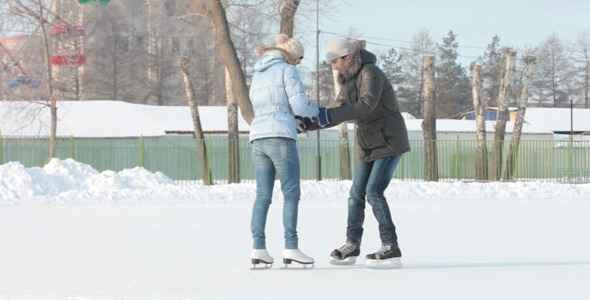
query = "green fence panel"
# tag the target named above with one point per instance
(177, 157)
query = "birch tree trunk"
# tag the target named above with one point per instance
(429, 124)
(288, 16)
(481, 157)
(190, 96)
(215, 12)
(232, 132)
(524, 96)
(502, 114)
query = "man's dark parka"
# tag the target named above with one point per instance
(367, 97)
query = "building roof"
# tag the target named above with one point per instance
(108, 119)
(470, 126)
(558, 120)
(122, 119)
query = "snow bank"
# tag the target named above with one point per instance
(71, 182)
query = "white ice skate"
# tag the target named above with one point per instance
(295, 255)
(259, 257)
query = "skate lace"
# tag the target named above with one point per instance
(347, 248)
(383, 249)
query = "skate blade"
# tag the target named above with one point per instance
(390, 263)
(300, 265)
(259, 264)
(260, 267)
(343, 262)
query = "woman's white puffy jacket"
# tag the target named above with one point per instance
(277, 95)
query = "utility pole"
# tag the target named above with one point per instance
(317, 78)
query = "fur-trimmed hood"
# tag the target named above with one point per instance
(357, 57)
(263, 49)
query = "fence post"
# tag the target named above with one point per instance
(458, 160)
(72, 146)
(570, 159)
(208, 158)
(141, 151)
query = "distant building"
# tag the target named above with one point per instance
(491, 114)
(560, 121)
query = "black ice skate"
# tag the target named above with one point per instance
(345, 255)
(388, 256)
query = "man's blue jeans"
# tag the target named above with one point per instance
(272, 156)
(370, 180)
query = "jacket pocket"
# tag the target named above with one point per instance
(371, 136)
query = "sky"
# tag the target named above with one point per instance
(68, 231)
(392, 23)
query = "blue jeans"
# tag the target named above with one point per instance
(272, 156)
(370, 180)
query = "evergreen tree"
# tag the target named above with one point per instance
(326, 84)
(391, 64)
(492, 63)
(452, 84)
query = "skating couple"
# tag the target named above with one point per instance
(282, 109)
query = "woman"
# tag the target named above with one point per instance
(277, 97)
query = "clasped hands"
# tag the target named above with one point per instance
(323, 118)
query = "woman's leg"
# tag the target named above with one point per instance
(265, 176)
(286, 161)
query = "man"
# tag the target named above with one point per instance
(367, 97)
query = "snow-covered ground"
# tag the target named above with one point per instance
(68, 231)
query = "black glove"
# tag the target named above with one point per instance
(301, 124)
(323, 117)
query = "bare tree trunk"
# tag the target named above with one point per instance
(345, 170)
(52, 97)
(524, 96)
(29, 10)
(429, 124)
(190, 95)
(481, 157)
(502, 114)
(232, 133)
(215, 12)
(288, 16)
(152, 55)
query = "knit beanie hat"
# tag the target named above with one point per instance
(292, 46)
(337, 48)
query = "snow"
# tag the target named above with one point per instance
(559, 119)
(105, 118)
(68, 231)
(448, 125)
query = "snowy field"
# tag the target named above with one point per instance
(68, 231)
